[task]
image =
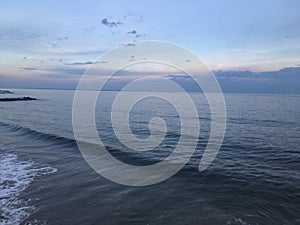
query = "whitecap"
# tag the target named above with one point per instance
(15, 176)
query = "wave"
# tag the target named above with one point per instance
(260, 122)
(15, 176)
(119, 152)
(34, 134)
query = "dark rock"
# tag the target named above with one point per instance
(17, 99)
(5, 92)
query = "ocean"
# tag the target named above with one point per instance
(254, 180)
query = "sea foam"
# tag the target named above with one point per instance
(15, 176)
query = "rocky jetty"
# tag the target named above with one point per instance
(17, 99)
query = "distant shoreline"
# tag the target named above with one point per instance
(224, 92)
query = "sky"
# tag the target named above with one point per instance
(51, 43)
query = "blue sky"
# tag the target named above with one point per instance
(54, 41)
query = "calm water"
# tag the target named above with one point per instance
(255, 178)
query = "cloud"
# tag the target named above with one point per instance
(17, 35)
(35, 42)
(130, 44)
(110, 24)
(63, 38)
(79, 63)
(85, 63)
(29, 68)
(72, 71)
(59, 70)
(20, 39)
(71, 52)
(132, 32)
(136, 34)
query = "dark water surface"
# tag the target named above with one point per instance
(255, 178)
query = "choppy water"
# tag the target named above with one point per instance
(255, 178)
